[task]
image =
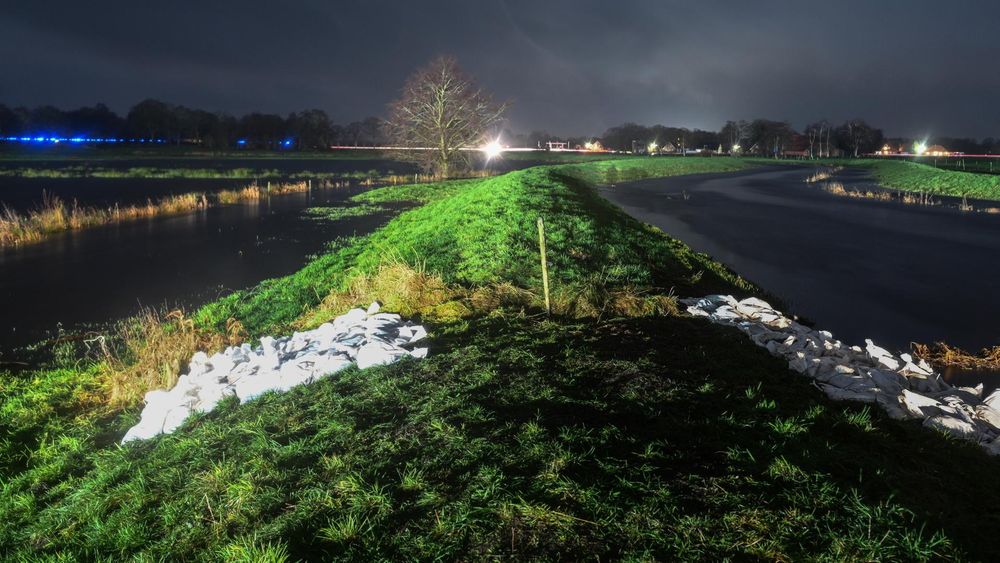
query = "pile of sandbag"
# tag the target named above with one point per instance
(906, 388)
(366, 338)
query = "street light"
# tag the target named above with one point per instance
(492, 149)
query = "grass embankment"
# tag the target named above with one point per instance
(911, 176)
(916, 177)
(616, 429)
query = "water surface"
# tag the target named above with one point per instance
(860, 268)
(81, 280)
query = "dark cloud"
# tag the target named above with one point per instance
(912, 67)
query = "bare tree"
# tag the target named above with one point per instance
(440, 115)
(816, 132)
(734, 133)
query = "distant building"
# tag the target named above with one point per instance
(889, 149)
(937, 150)
(557, 145)
(796, 147)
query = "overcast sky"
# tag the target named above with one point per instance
(912, 67)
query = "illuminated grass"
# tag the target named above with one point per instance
(336, 213)
(522, 437)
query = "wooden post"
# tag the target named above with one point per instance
(545, 266)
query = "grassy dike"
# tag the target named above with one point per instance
(616, 429)
(912, 176)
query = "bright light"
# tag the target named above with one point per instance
(652, 146)
(920, 147)
(736, 147)
(493, 149)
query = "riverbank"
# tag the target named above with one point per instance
(910, 176)
(617, 428)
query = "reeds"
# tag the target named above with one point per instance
(823, 175)
(54, 215)
(942, 354)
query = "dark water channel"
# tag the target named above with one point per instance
(79, 280)
(25, 193)
(887, 271)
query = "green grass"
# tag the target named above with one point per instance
(557, 157)
(916, 177)
(337, 213)
(912, 176)
(521, 437)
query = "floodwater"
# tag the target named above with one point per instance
(77, 281)
(81, 280)
(891, 272)
(23, 194)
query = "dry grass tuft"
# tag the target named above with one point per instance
(836, 188)
(54, 216)
(824, 174)
(414, 292)
(942, 354)
(153, 352)
(597, 300)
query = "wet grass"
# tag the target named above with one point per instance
(916, 177)
(912, 177)
(602, 432)
(337, 213)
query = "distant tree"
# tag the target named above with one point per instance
(151, 119)
(97, 121)
(768, 138)
(311, 129)
(816, 133)
(622, 136)
(705, 140)
(48, 120)
(734, 133)
(442, 109)
(263, 130)
(10, 122)
(856, 137)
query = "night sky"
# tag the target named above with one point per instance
(911, 67)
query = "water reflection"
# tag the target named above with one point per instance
(86, 278)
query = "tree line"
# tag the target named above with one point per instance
(765, 137)
(314, 129)
(177, 124)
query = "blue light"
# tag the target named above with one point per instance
(53, 139)
(286, 143)
(241, 142)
